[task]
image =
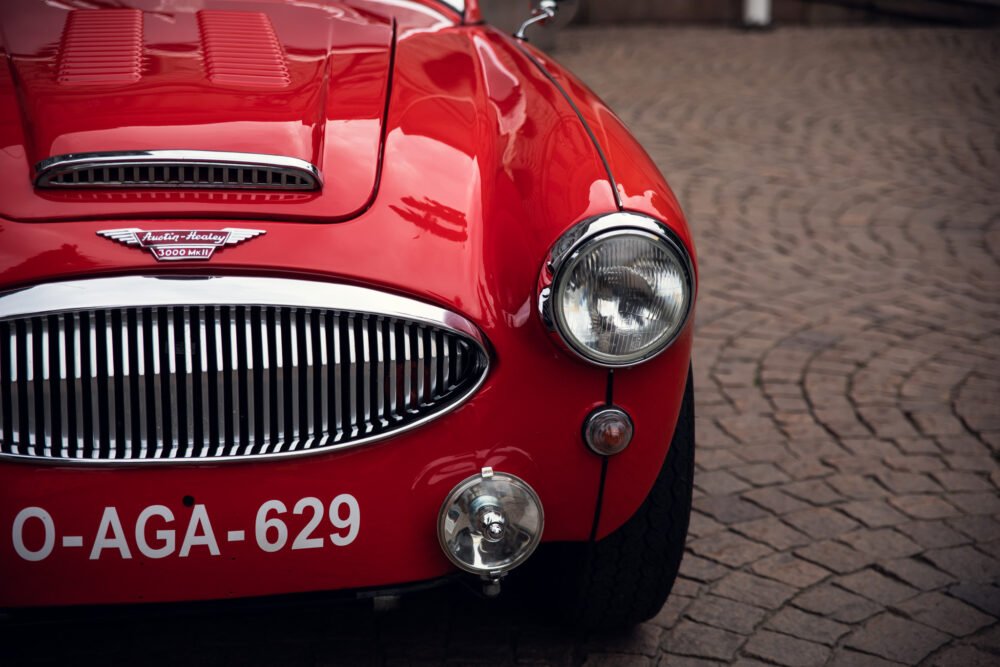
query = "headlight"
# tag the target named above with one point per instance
(621, 290)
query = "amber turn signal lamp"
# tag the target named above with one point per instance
(608, 431)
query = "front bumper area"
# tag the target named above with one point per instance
(525, 424)
(224, 539)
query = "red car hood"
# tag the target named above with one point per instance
(307, 80)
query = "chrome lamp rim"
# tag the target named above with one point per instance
(469, 483)
(571, 246)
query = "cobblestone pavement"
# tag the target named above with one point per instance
(843, 188)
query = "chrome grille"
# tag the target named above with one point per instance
(177, 169)
(204, 381)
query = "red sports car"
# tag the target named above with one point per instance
(330, 295)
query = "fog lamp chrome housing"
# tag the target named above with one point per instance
(490, 523)
(621, 289)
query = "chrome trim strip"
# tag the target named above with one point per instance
(47, 169)
(159, 291)
(349, 305)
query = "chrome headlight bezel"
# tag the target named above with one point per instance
(577, 242)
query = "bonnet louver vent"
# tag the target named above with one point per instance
(177, 169)
(101, 47)
(241, 49)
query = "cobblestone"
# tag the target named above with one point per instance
(772, 532)
(979, 528)
(835, 556)
(729, 549)
(842, 190)
(790, 570)
(984, 597)
(786, 650)
(896, 638)
(882, 544)
(932, 534)
(873, 513)
(876, 587)
(964, 656)
(807, 626)
(775, 500)
(821, 522)
(836, 603)
(917, 574)
(924, 506)
(753, 590)
(966, 564)
(727, 614)
(940, 611)
(704, 641)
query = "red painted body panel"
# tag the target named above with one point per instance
(484, 165)
(656, 385)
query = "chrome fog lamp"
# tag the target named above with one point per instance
(490, 523)
(621, 290)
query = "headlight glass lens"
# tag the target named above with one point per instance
(622, 297)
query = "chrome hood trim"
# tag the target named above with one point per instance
(177, 169)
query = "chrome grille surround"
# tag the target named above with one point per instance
(177, 169)
(151, 370)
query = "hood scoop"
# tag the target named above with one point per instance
(177, 169)
(222, 109)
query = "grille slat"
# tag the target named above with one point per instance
(352, 377)
(187, 425)
(189, 383)
(6, 382)
(18, 394)
(139, 402)
(336, 390)
(122, 384)
(235, 433)
(87, 354)
(365, 370)
(26, 389)
(292, 418)
(407, 369)
(172, 381)
(324, 377)
(247, 395)
(43, 414)
(228, 430)
(380, 371)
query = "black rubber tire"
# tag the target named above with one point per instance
(625, 578)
